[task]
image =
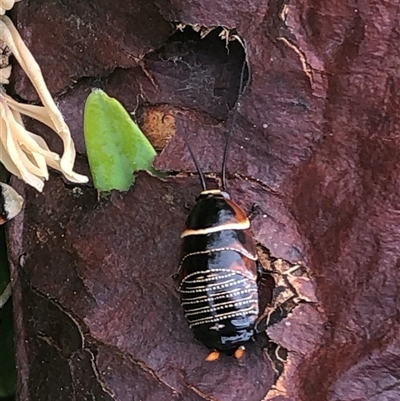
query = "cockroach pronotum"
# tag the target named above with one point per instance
(218, 272)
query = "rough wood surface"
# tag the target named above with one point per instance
(316, 148)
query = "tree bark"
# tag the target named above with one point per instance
(315, 147)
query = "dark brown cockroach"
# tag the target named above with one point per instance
(10, 203)
(218, 271)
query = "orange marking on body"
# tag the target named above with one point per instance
(212, 356)
(239, 352)
(240, 215)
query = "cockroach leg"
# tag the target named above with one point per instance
(255, 211)
(188, 206)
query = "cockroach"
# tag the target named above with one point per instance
(218, 273)
(10, 203)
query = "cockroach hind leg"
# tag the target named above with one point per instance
(261, 325)
(239, 353)
(213, 356)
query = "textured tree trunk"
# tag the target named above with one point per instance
(315, 147)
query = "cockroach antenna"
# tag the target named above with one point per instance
(232, 127)
(201, 175)
(228, 137)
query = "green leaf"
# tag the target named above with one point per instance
(116, 147)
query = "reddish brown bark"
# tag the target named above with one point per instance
(316, 147)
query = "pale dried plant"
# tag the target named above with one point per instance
(22, 152)
(6, 5)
